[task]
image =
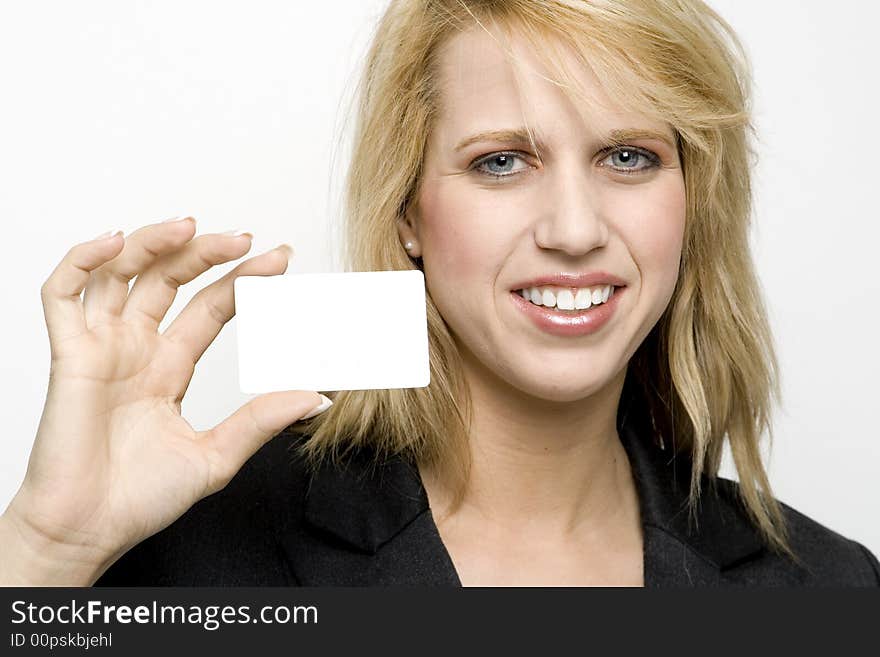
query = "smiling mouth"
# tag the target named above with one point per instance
(582, 302)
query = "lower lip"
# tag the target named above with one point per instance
(567, 323)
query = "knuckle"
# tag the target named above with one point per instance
(221, 471)
(50, 290)
(151, 252)
(205, 260)
(197, 257)
(116, 274)
(170, 280)
(213, 309)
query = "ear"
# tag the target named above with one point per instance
(407, 230)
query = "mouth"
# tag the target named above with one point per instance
(569, 322)
(569, 301)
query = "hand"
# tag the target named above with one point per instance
(114, 461)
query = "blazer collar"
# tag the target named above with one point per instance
(678, 551)
(367, 525)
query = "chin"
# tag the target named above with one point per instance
(562, 389)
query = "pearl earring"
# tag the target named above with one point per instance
(408, 246)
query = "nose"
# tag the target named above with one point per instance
(572, 220)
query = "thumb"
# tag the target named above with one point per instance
(232, 442)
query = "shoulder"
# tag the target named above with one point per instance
(831, 558)
(827, 558)
(229, 538)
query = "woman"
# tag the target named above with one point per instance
(589, 157)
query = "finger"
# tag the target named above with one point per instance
(154, 290)
(232, 442)
(60, 293)
(107, 289)
(208, 311)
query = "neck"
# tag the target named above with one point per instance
(555, 468)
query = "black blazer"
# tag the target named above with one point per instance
(274, 525)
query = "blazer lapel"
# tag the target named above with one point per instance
(677, 553)
(371, 526)
(365, 526)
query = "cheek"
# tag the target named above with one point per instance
(655, 235)
(462, 241)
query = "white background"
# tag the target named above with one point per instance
(117, 114)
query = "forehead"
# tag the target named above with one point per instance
(481, 88)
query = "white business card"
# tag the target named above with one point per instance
(332, 331)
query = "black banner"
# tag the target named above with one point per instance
(149, 621)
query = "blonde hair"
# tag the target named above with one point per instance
(707, 371)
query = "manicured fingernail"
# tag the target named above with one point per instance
(326, 403)
(168, 221)
(287, 249)
(236, 233)
(109, 233)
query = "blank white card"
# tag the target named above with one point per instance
(332, 331)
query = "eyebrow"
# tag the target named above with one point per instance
(521, 136)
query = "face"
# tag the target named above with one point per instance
(577, 210)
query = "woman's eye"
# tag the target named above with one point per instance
(628, 160)
(499, 165)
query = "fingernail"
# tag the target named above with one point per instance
(326, 403)
(109, 233)
(168, 221)
(287, 248)
(236, 233)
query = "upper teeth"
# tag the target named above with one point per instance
(567, 298)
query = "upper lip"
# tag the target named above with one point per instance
(563, 279)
